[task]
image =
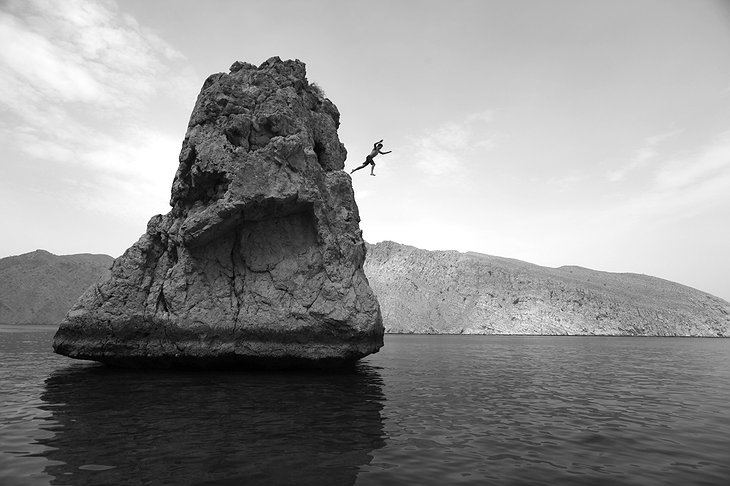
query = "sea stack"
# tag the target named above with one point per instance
(260, 261)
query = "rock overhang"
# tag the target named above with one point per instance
(260, 259)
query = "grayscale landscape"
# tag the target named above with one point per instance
(364, 243)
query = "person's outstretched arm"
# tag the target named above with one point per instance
(383, 153)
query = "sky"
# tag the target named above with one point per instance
(558, 132)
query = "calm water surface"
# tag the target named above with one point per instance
(425, 410)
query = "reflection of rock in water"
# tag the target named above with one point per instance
(217, 428)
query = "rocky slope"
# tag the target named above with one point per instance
(260, 260)
(449, 292)
(39, 287)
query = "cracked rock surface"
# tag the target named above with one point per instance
(260, 261)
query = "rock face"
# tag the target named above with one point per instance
(40, 287)
(260, 260)
(468, 293)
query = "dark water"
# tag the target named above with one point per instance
(425, 410)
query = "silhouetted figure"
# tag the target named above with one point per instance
(369, 159)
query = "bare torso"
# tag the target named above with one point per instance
(369, 159)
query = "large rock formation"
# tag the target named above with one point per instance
(259, 262)
(40, 287)
(468, 293)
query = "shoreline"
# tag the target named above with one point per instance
(39, 327)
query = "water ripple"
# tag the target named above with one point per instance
(426, 410)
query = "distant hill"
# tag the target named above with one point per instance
(434, 292)
(39, 287)
(450, 292)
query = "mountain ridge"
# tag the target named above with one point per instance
(659, 304)
(423, 291)
(39, 287)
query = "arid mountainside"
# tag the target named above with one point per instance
(434, 292)
(450, 292)
(39, 287)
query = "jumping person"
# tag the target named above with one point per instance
(369, 159)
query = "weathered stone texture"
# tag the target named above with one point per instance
(260, 260)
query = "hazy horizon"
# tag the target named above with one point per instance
(567, 132)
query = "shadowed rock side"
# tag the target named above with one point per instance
(449, 292)
(259, 263)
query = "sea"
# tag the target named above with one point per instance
(425, 410)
